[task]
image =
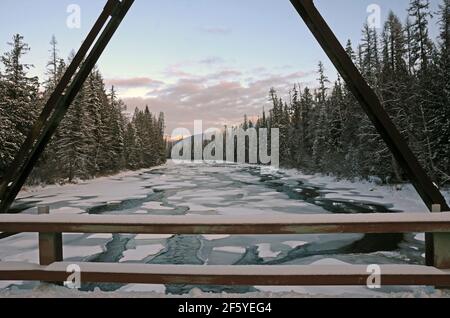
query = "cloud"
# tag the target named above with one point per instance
(216, 30)
(214, 60)
(176, 70)
(224, 74)
(133, 82)
(219, 98)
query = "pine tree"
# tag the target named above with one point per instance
(133, 156)
(321, 129)
(94, 138)
(162, 144)
(72, 149)
(8, 146)
(422, 52)
(439, 94)
(421, 46)
(18, 101)
(53, 66)
(116, 130)
(369, 55)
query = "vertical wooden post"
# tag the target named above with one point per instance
(441, 246)
(50, 244)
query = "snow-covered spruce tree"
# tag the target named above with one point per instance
(295, 133)
(395, 82)
(104, 130)
(8, 146)
(47, 169)
(374, 156)
(423, 102)
(162, 143)
(307, 127)
(95, 135)
(53, 74)
(19, 99)
(148, 133)
(116, 126)
(322, 124)
(439, 96)
(72, 148)
(280, 119)
(132, 153)
(352, 117)
(421, 45)
(337, 110)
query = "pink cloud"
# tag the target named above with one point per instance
(218, 98)
(214, 60)
(133, 82)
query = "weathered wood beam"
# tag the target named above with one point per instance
(316, 275)
(50, 243)
(441, 246)
(295, 224)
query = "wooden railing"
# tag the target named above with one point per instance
(52, 267)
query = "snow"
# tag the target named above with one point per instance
(420, 237)
(294, 244)
(140, 288)
(141, 252)
(230, 249)
(265, 251)
(152, 236)
(280, 219)
(155, 206)
(407, 199)
(100, 237)
(215, 237)
(51, 292)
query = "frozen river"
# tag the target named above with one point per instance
(202, 189)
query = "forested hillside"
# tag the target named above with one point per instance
(95, 137)
(323, 129)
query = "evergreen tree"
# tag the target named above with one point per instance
(421, 45)
(19, 99)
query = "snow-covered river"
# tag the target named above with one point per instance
(219, 189)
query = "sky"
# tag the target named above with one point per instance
(210, 60)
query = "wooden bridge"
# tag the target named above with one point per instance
(53, 268)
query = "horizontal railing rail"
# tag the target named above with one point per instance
(295, 224)
(303, 275)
